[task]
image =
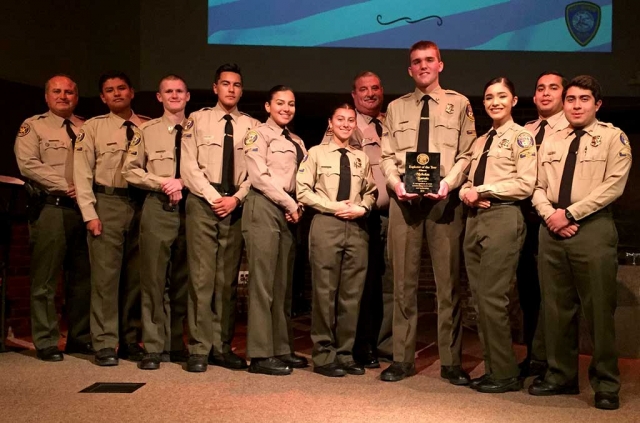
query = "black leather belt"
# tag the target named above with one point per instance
(221, 191)
(290, 194)
(120, 192)
(56, 200)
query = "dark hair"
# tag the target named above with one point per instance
(423, 45)
(172, 77)
(362, 75)
(276, 89)
(347, 106)
(112, 75)
(501, 80)
(586, 82)
(227, 67)
(551, 72)
(60, 75)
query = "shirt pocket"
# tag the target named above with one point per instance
(110, 157)
(405, 135)
(54, 152)
(447, 132)
(161, 163)
(592, 164)
(329, 177)
(283, 157)
(501, 154)
(209, 151)
(551, 163)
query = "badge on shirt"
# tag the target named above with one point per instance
(135, 140)
(504, 143)
(449, 108)
(525, 140)
(250, 138)
(24, 130)
(470, 112)
(596, 141)
(358, 163)
(80, 137)
(623, 139)
(189, 124)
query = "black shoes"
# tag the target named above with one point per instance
(398, 371)
(455, 375)
(353, 368)
(533, 368)
(79, 348)
(150, 361)
(607, 401)
(477, 381)
(269, 366)
(331, 370)
(197, 363)
(50, 354)
(542, 388)
(499, 386)
(367, 360)
(229, 360)
(106, 357)
(294, 361)
(132, 352)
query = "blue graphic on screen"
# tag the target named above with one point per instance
(516, 25)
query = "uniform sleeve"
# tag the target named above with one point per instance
(84, 161)
(255, 154)
(369, 189)
(615, 178)
(134, 168)
(27, 150)
(540, 200)
(192, 176)
(456, 175)
(521, 186)
(245, 186)
(389, 146)
(465, 187)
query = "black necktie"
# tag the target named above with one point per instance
(70, 132)
(564, 195)
(299, 153)
(378, 124)
(478, 177)
(540, 134)
(344, 188)
(227, 156)
(423, 131)
(129, 126)
(178, 141)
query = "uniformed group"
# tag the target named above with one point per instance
(149, 218)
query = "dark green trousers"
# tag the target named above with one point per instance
(271, 253)
(338, 257)
(580, 273)
(492, 244)
(214, 249)
(115, 273)
(442, 223)
(163, 284)
(58, 242)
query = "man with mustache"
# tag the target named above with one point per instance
(44, 151)
(430, 119)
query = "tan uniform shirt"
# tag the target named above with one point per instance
(152, 161)
(451, 133)
(101, 149)
(202, 145)
(272, 163)
(366, 138)
(555, 123)
(602, 169)
(318, 178)
(511, 164)
(44, 153)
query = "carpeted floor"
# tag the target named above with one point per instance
(32, 390)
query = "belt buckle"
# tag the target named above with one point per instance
(109, 190)
(57, 201)
(168, 207)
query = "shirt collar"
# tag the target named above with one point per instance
(235, 113)
(504, 128)
(435, 95)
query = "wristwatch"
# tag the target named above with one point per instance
(568, 215)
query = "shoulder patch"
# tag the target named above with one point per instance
(189, 124)
(470, 112)
(525, 140)
(25, 128)
(250, 138)
(623, 139)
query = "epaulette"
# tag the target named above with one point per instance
(406, 95)
(605, 124)
(143, 117)
(150, 123)
(98, 117)
(531, 122)
(81, 118)
(40, 117)
(246, 114)
(451, 92)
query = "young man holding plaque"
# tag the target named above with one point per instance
(434, 122)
